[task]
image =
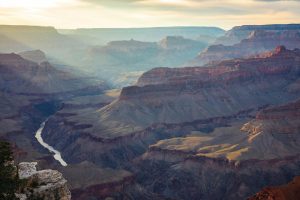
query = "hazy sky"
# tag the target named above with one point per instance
(146, 13)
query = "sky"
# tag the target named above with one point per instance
(147, 13)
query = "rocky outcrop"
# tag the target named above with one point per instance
(44, 184)
(258, 41)
(291, 191)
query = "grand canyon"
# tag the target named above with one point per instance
(154, 113)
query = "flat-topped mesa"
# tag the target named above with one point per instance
(179, 42)
(124, 45)
(27, 29)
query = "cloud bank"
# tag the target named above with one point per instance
(146, 13)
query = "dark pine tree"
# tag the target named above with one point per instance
(8, 173)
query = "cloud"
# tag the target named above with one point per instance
(140, 13)
(276, 0)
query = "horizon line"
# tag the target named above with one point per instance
(145, 27)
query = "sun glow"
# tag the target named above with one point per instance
(31, 4)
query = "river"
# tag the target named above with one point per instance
(57, 154)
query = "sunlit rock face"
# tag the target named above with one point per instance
(44, 184)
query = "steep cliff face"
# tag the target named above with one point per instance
(44, 184)
(258, 41)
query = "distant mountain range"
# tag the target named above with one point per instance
(249, 41)
(101, 36)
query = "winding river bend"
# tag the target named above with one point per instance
(57, 154)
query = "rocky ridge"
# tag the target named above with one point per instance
(259, 41)
(238, 33)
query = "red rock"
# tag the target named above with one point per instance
(291, 191)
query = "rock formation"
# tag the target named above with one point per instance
(291, 191)
(44, 184)
(259, 41)
(238, 33)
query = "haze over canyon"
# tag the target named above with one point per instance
(150, 113)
